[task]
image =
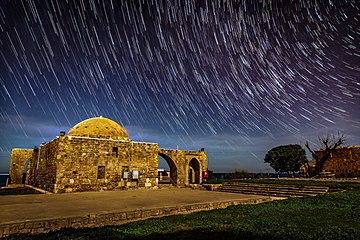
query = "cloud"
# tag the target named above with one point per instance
(24, 132)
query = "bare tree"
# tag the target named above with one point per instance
(328, 145)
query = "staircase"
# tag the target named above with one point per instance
(324, 174)
(273, 189)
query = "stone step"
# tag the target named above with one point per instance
(278, 194)
(273, 189)
(273, 186)
(304, 190)
(272, 192)
(309, 189)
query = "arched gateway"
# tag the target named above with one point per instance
(184, 161)
(97, 154)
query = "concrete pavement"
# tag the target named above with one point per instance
(17, 210)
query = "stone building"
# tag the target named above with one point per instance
(97, 154)
(343, 162)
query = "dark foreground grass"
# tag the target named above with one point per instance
(330, 216)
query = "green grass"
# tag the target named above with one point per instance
(330, 216)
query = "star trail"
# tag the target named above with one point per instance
(234, 77)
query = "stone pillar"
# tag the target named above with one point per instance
(18, 160)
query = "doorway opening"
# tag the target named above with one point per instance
(167, 170)
(194, 171)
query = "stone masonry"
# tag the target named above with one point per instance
(98, 155)
(344, 162)
(18, 160)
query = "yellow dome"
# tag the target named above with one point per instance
(99, 127)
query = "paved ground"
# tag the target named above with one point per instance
(20, 208)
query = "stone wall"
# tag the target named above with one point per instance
(144, 158)
(90, 164)
(41, 171)
(77, 164)
(18, 159)
(344, 162)
(182, 159)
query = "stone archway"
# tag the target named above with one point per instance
(173, 168)
(184, 161)
(17, 163)
(194, 171)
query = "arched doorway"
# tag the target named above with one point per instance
(25, 172)
(171, 175)
(194, 171)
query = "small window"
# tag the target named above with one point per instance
(115, 152)
(101, 172)
(125, 172)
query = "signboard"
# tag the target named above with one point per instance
(125, 172)
(135, 174)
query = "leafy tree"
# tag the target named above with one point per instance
(286, 158)
(328, 144)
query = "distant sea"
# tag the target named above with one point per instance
(3, 177)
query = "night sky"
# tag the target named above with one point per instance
(234, 77)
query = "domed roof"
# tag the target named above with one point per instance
(99, 127)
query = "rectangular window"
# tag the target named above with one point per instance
(115, 152)
(125, 172)
(101, 172)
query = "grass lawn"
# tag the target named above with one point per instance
(330, 216)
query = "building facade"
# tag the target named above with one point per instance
(96, 155)
(343, 162)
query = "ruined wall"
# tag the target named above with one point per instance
(144, 158)
(90, 164)
(344, 162)
(18, 159)
(182, 159)
(42, 167)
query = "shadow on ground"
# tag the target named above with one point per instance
(18, 191)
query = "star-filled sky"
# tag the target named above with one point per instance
(234, 77)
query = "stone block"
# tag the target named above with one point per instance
(38, 224)
(5, 231)
(29, 225)
(14, 228)
(133, 215)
